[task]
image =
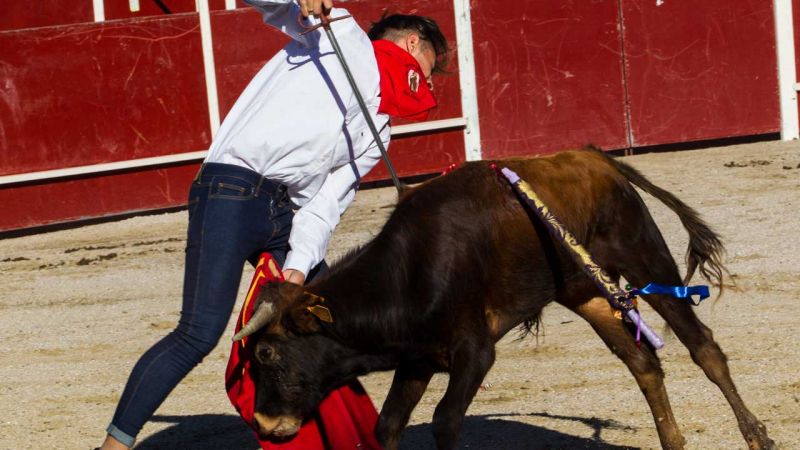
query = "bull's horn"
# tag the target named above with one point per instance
(261, 316)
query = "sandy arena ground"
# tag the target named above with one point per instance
(78, 307)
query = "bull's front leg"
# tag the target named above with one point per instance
(469, 364)
(410, 382)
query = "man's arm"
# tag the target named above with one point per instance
(314, 223)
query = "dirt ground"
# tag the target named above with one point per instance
(78, 307)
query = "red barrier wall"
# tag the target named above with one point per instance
(125, 89)
(16, 14)
(700, 70)
(131, 91)
(97, 196)
(553, 75)
(550, 75)
(796, 14)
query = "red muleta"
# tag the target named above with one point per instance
(346, 417)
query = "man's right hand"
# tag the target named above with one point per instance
(315, 7)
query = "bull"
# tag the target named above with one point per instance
(460, 263)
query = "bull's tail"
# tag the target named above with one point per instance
(705, 247)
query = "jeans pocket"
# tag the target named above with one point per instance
(231, 188)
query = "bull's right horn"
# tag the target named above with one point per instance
(261, 316)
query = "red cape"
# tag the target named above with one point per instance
(345, 419)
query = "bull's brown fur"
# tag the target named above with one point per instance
(460, 263)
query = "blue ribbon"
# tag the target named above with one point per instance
(686, 292)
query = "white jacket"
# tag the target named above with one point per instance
(298, 123)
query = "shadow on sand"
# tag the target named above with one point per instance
(489, 432)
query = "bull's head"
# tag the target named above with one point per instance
(293, 358)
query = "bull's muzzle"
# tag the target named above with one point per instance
(281, 426)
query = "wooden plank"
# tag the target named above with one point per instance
(700, 70)
(94, 93)
(17, 14)
(106, 195)
(549, 76)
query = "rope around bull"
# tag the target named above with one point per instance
(621, 299)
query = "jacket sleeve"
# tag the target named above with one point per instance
(282, 15)
(314, 223)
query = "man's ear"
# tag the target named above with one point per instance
(412, 42)
(309, 312)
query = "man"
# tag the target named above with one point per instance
(295, 138)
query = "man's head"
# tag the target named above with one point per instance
(419, 36)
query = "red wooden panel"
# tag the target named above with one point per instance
(16, 14)
(238, 59)
(422, 155)
(700, 70)
(96, 93)
(242, 45)
(92, 93)
(549, 75)
(121, 9)
(107, 195)
(796, 14)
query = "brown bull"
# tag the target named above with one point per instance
(458, 265)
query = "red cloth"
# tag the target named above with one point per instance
(404, 90)
(345, 419)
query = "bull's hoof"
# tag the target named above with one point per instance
(762, 444)
(758, 439)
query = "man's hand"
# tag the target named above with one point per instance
(294, 276)
(315, 7)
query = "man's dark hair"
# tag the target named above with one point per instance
(389, 27)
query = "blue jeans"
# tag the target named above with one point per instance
(234, 215)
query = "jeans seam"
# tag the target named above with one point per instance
(200, 253)
(139, 383)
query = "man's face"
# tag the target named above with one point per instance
(423, 52)
(426, 58)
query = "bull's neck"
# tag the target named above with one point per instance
(367, 299)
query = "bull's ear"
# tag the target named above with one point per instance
(308, 313)
(321, 312)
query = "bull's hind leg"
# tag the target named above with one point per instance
(410, 382)
(707, 354)
(643, 364)
(660, 268)
(469, 363)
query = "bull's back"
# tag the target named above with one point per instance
(500, 266)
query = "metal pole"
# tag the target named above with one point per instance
(327, 26)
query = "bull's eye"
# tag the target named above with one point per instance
(265, 353)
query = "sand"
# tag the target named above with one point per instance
(79, 306)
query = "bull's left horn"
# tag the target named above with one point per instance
(261, 316)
